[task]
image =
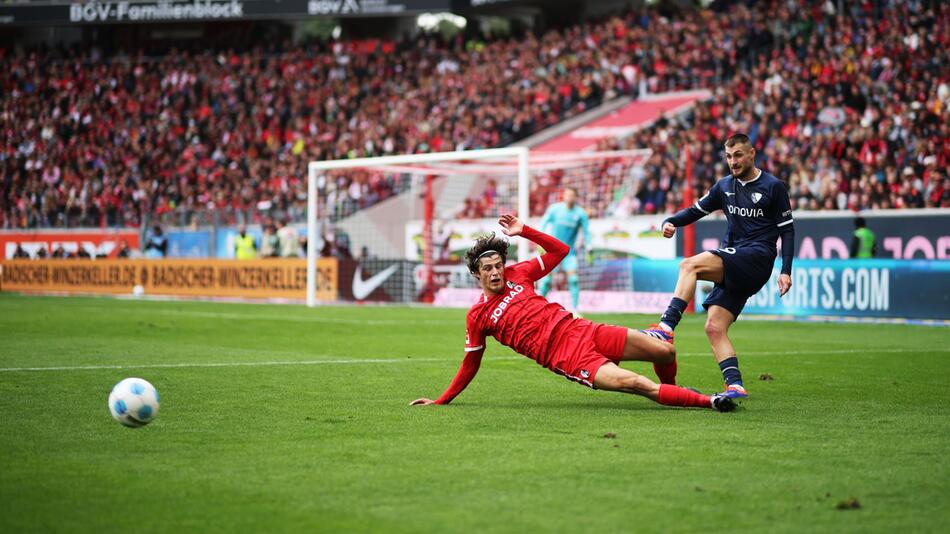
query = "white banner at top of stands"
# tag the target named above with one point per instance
(628, 237)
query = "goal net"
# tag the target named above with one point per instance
(400, 225)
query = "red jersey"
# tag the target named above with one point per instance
(518, 318)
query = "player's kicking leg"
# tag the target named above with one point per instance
(706, 266)
(610, 377)
(718, 321)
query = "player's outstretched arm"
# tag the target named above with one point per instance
(684, 217)
(463, 378)
(687, 216)
(555, 250)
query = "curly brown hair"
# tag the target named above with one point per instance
(482, 247)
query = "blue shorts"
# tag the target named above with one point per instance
(745, 271)
(569, 263)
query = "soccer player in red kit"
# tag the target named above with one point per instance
(583, 351)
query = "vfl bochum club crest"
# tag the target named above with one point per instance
(756, 197)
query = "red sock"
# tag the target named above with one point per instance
(677, 396)
(666, 372)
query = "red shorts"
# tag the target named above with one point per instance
(581, 347)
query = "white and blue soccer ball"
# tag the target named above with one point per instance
(134, 402)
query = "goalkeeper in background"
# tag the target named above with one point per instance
(565, 220)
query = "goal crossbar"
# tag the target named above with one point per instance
(538, 161)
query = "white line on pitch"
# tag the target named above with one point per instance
(405, 360)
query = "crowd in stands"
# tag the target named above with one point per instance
(86, 139)
(850, 108)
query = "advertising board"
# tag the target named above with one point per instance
(205, 278)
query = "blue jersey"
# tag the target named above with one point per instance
(757, 213)
(565, 223)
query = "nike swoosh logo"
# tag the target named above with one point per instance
(362, 288)
(729, 194)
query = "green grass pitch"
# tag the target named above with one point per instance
(283, 418)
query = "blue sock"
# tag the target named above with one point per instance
(674, 312)
(730, 371)
(573, 284)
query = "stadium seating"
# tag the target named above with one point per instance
(224, 136)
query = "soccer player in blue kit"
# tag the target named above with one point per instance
(757, 212)
(565, 220)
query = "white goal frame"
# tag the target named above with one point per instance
(315, 167)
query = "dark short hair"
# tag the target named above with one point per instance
(483, 245)
(859, 222)
(738, 139)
